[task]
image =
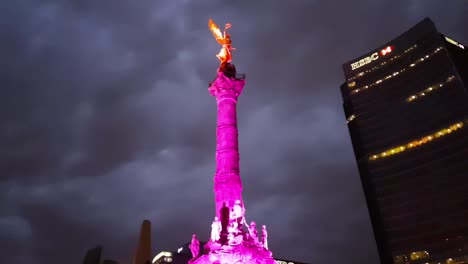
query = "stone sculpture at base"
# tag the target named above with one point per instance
(264, 236)
(215, 230)
(195, 247)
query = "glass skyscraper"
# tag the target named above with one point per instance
(406, 105)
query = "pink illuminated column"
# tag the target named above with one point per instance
(227, 181)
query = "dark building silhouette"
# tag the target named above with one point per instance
(109, 261)
(143, 253)
(406, 104)
(93, 256)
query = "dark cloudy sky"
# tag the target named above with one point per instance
(105, 120)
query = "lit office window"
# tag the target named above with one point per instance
(419, 255)
(350, 118)
(418, 142)
(400, 259)
(429, 90)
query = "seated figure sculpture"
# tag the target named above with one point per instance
(235, 236)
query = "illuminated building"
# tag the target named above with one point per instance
(406, 105)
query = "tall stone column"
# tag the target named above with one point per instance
(233, 244)
(227, 182)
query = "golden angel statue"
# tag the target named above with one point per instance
(224, 39)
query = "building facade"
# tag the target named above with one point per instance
(406, 105)
(93, 256)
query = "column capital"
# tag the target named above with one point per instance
(226, 85)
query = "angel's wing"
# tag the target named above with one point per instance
(216, 32)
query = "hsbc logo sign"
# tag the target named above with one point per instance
(386, 51)
(365, 61)
(374, 56)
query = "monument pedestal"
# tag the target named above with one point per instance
(244, 253)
